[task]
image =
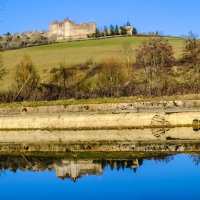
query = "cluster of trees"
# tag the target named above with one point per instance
(154, 72)
(113, 31)
(9, 41)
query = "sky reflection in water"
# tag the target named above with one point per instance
(177, 179)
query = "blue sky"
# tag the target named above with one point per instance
(173, 17)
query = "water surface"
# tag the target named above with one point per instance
(171, 177)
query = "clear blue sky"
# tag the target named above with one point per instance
(174, 17)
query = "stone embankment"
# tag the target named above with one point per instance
(103, 116)
(100, 136)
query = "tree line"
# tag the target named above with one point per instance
(112, 31)
(8, 41)
(153, 72)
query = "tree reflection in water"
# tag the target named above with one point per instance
(76, 168)
(132, 164)
(72, 168)
(196, 159)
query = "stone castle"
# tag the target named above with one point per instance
(68, 29)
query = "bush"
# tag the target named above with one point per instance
(64, 79)
(26, 79)
(155, 53)
(16, 41)
(191, 51)
(153, 57)
(112, 78)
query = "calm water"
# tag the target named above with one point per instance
(174, 177)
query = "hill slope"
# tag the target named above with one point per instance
(47, 57)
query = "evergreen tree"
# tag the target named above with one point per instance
(128, 23)
(135, 31)
(112, 30)
(116, 30)
(123, 30)
(106, 31)
(8, 34)
(97, 33)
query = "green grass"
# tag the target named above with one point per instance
(101, 101)
(47, 57)
(88, 155)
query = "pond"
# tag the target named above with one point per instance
(163, 177)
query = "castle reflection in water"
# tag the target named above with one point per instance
(77, 169)
(74, 169)
(64, 168)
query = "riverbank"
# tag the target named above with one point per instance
(137, 126)
(99, 149)
(131, 99)
(138, 140)
(110, 116)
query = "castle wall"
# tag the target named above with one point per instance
(58, 30)
(68, 29)
(83, 30)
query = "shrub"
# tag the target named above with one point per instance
(155, 53)
(26, 79)
(191, 51)
(112, 78)
(153, 56)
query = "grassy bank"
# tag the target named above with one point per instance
(89, 155)
(101, 101)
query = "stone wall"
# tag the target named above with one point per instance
(70, 30)
(99, 121)
(81, 30)
(103, 116)
(100, 136)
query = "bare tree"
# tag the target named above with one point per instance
(191, 50)
(26, 78)
(155, 53)
(153, 56)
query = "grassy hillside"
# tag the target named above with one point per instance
(47, 57)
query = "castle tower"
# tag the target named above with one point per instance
(68, 30)
(129, 30)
